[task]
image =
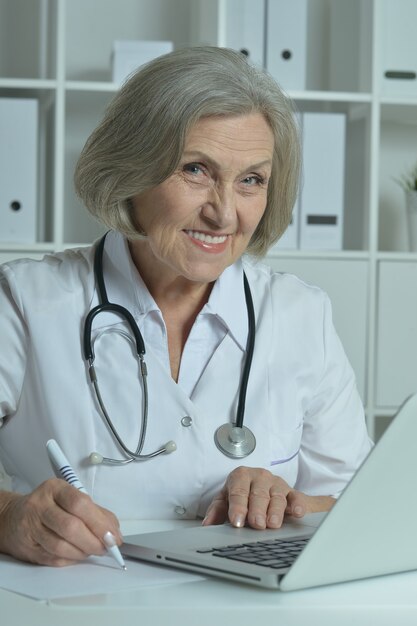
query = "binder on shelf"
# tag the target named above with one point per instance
(399, 48)
(322, 195)
(286, 42)
(350, 46)
(245, 28)
(236, 24)
(18, 169)
(128, 56)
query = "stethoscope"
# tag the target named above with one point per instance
(233, 439)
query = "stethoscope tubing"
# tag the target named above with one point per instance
(250, 347)
(232, 435)
(106, 306)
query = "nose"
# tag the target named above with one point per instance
(220, 207)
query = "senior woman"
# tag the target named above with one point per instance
(194, 165)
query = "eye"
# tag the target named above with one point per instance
(193, 168)
(254, 180)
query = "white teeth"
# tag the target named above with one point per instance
(206, 238)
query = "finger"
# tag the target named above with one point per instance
(35, 553)
(217, 510)
(66, 535)
(54, 549)
(238, 487)
(276, 509)
(113, 525)
(296, 503)
(259, 499)
(81, 522)
(267, 501)
(299, 504)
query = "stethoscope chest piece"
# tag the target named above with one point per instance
(235, 442)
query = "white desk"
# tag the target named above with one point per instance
(377, 602)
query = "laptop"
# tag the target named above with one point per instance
(370, 531)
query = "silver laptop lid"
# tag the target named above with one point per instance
(372, 529)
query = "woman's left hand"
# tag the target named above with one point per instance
(255, 497)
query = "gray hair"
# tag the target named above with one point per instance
(141, 138)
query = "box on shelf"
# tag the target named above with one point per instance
(236, 24)
(286, 42)
(350, 46)
(18, 169)
(317, 220)
(322, 192)
(399, 48)
(128, 56)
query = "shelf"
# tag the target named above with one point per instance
(27, 247)
(398, 100)
(399, 112)
(331, 255)
(27, 83)
(397, 256)
(331, 96)
(79, 85)
(71, 85)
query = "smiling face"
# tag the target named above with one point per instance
(201, 218)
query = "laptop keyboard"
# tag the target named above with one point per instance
(275, 553)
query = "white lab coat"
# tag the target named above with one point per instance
(302, 402)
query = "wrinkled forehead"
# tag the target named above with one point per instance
(247, 137)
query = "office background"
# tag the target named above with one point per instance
(359, 127)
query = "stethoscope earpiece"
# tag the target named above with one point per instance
(96, 458)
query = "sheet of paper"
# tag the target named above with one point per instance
(96, 575)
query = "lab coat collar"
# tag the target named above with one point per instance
(125, 287)
(227, 302)
(123, 282)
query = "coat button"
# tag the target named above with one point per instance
(180, 510)
(186, 421)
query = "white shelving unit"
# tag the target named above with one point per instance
(65, 63)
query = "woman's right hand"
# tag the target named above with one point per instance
(54, 525)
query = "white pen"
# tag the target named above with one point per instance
(62, 466)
